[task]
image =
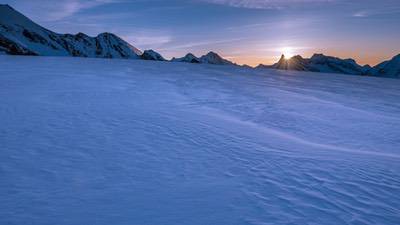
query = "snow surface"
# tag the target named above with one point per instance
(99, 141)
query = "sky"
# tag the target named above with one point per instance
(244, 31)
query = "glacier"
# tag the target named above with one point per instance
(114, 141)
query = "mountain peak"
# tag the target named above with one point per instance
(214, 58)
(190, 55)
(152, 55)
(320, 63)
(106, 34)
(297, 57)
(210, 58)
(316, 55)
(213, 54)
(295, 63)
(189, 58)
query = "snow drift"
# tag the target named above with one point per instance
(93, 141)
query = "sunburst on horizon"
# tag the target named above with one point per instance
(287, 52)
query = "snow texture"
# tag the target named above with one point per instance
(99, 141)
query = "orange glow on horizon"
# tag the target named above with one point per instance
(361, 59)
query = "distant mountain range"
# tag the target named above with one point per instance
(209, 58)
(21, 36)
(329, 64)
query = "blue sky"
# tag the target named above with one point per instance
(245, 31)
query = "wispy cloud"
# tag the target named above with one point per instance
(147, 41)
(361, 14)
(376, 12)
(51, 10)
(144, 38)
(190, 45)
(264, 4)
(66, 8)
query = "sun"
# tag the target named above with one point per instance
(288, 52)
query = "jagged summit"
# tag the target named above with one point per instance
(152, 55)
(189, 58)
(295, 63)
(214, 58)
(319, 63)
(209, 58)
(21, 36)
(329, 64)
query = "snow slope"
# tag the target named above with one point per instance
(97, 141)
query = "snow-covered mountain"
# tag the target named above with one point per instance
(294, 63)
(329, 64)
(214, 58)
(390, 68)
(21, 36)
(189, 58)
(152, 55)
(320, 63)
(209, 58)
